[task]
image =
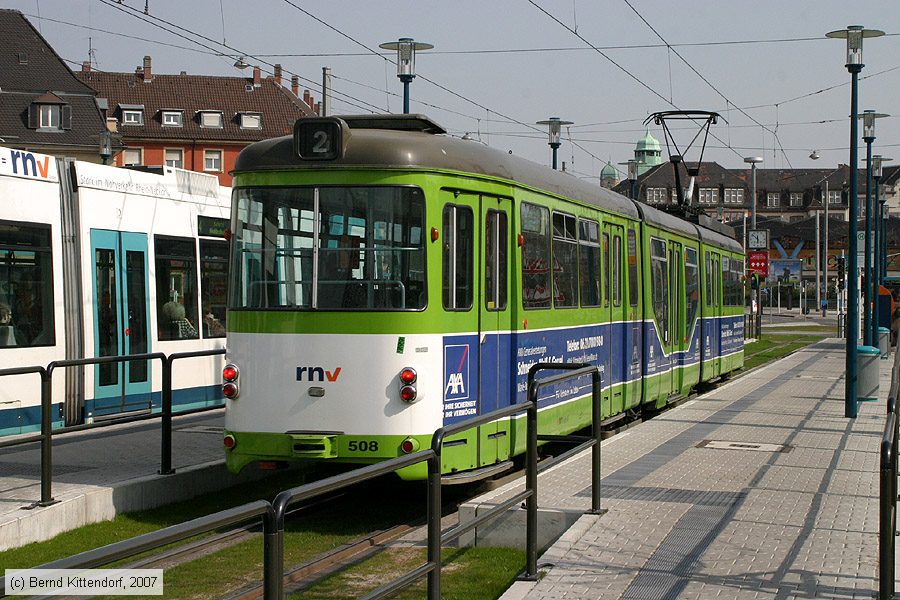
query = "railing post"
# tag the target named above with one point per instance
(597, 417)
(531, 483)
(166, 420)
(46, 438)
(434, 516)
(273, 556)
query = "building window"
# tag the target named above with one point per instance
(172, 118)
(174, 157)
(773, 200)
(211, 118)
(796, 199)
(251, 121)
(49, 116)
(132, 117)
(834, 196)
(657, 195)
(709, 195)
(131, 157)
(734, 196)
(212, 160)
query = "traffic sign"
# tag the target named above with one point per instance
(758, 262)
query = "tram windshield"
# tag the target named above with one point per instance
(329, 248)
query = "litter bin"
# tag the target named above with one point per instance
(884, 342)
(867, 372)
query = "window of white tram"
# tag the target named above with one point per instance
(26, 285)
(331, 248)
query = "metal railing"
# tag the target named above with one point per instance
(887, 505)
(45, 437)
(273, 514)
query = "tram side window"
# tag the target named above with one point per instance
(213, 278)
(692, 286)
(495, 261)
(709, 297)
(458, 257)
(176, 290)
(617, 271)
(26, 285)
(589, 262)
(605, 269)
(535, 256)
(659, 284)
(632, 269)
(565, 250)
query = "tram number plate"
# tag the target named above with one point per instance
(362, 446)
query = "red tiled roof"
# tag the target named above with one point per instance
(193, 93)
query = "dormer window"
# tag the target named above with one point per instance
(172, 118)
(132, 114)
(251, 120)
(211, 119)
(49, 114)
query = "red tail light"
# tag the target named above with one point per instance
(408, 446)
(230, 373)
(229, 442)
(408, 393)
(230, 390)
(408, 376)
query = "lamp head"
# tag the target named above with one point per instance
(854, 34)
(814, 155)
(406, 55)
(555, 124)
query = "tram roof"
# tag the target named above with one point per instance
(414, 141)
(659, 218)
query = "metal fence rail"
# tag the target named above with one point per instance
(45, 437)
(887, 505)
(273, 514)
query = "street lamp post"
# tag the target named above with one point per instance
(632, 176)
(105, 146)
(554, 124)
(753, 160)
(854, 36)
(875, 167)
(406, 62)
(870, 326)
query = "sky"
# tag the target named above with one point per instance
(499, 66)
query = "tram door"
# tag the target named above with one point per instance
(495, 322)
(677, 335)
(121, 326)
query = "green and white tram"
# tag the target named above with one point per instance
(387, 279)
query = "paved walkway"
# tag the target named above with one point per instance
(759, 489)
(98, 473)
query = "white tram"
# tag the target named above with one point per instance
(101, 261)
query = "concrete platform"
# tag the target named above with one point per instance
(102, 472)
(759, 489)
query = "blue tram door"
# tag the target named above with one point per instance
(495, 361)
(121, 326)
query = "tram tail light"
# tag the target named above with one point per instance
(230, 373)
(409, 445)
(408, 376)
(229, 442)
(230, 376)
(408, 393)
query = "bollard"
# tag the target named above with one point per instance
(884, 342)
(868, 372)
